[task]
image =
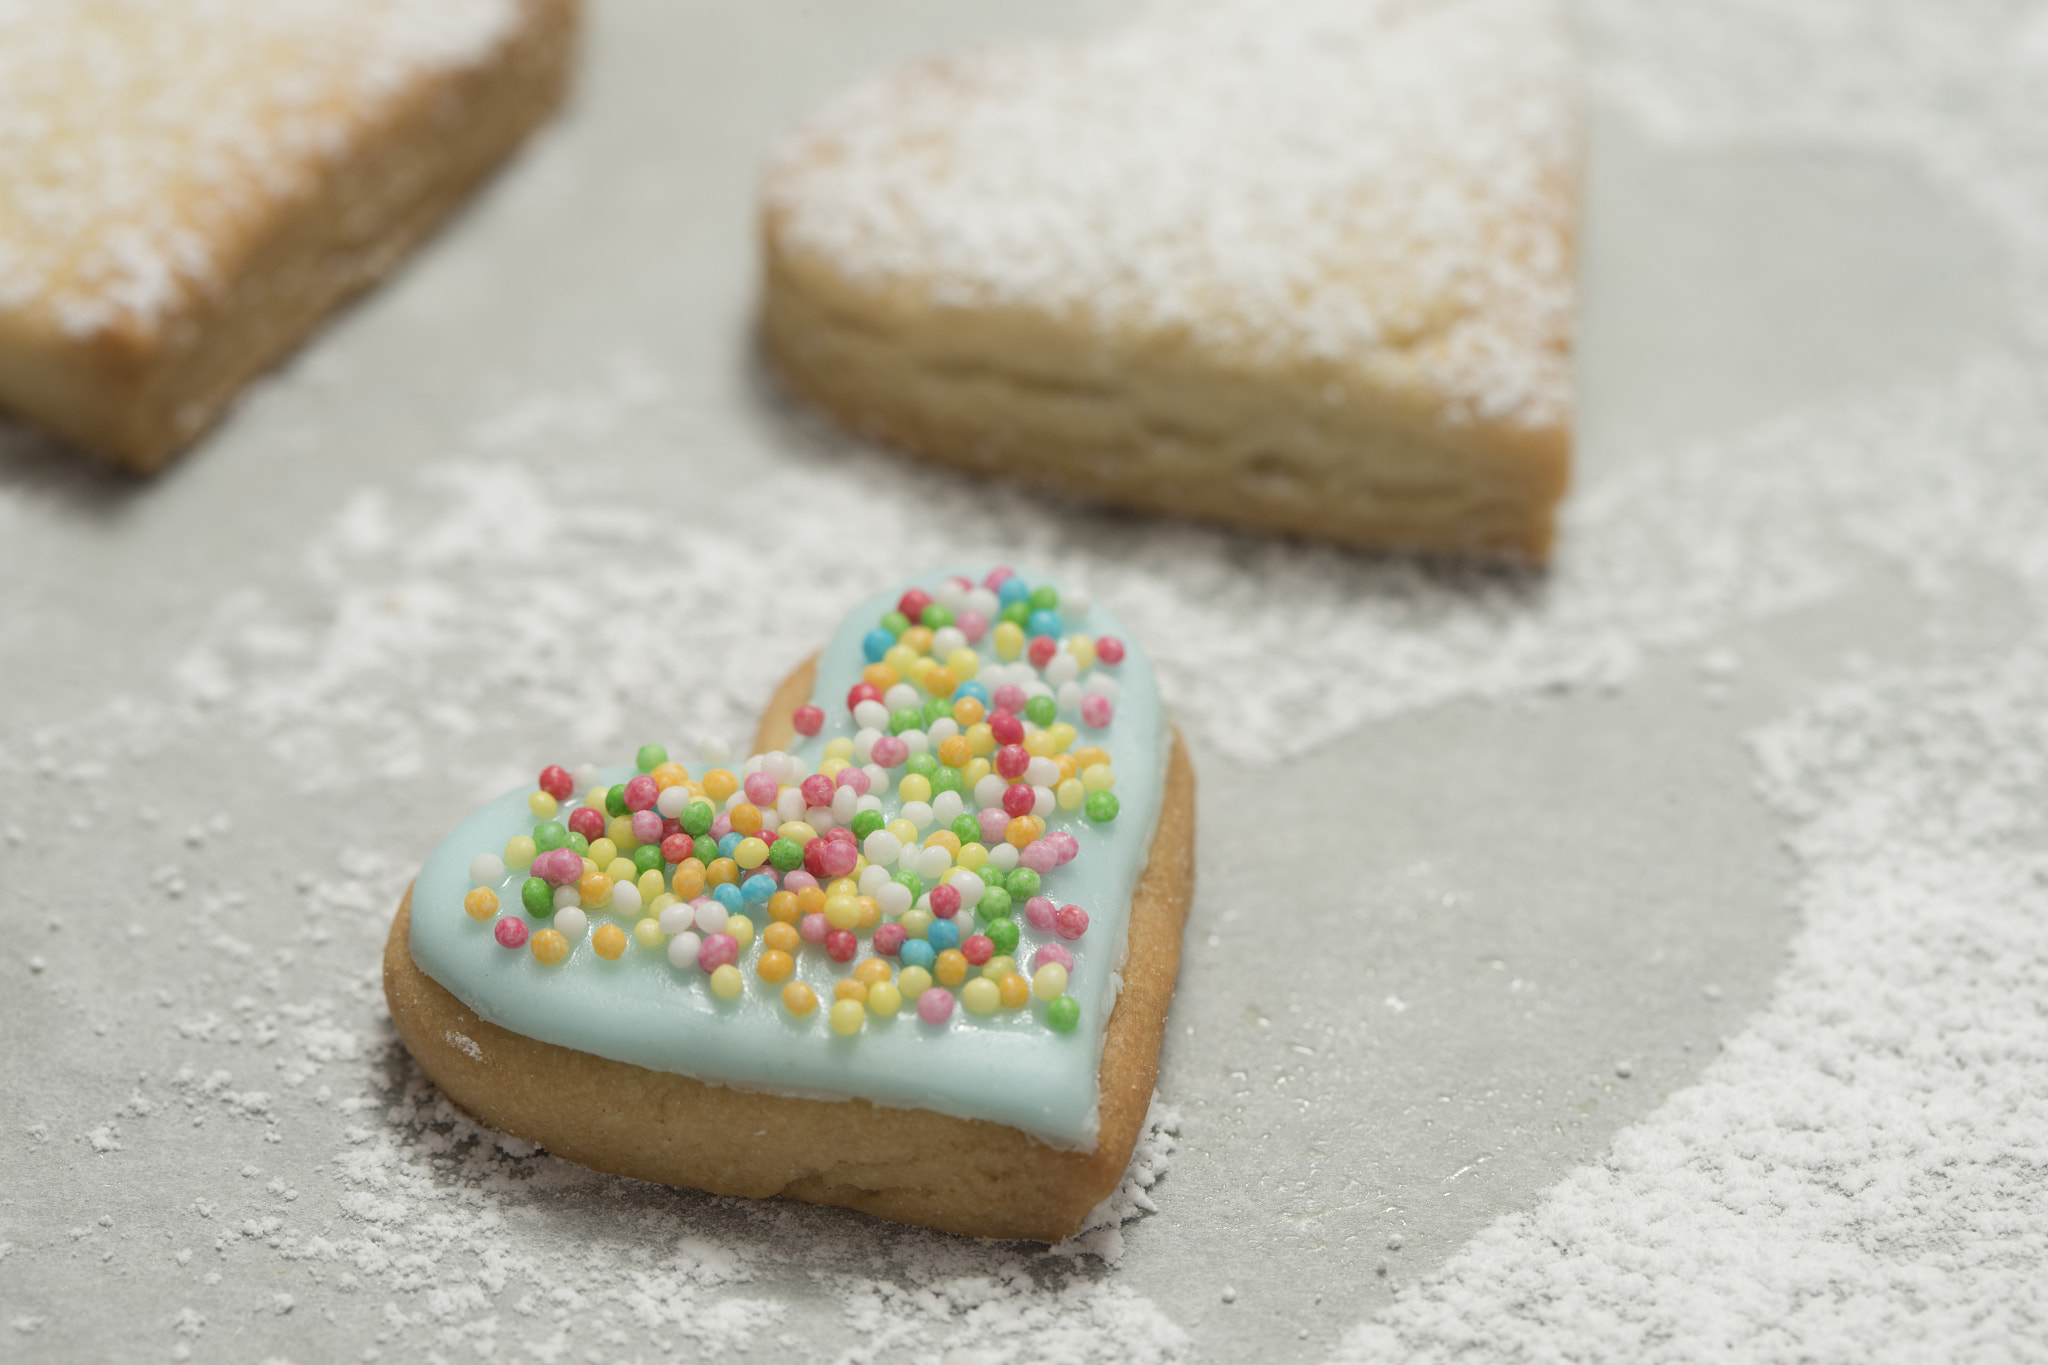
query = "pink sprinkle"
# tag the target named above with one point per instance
(977, 948)
(559, 867)
(799, 880)
(1039, 911)
(512, 932)
(1063, 844)
(1043, 647)
(678, 846)
(945, 899)
(586, 822)
(972, 624)
(1052, 952)
(807, 719)
(716, 951)
(1009, 697)
(890, 752)
(1019, 800)
(935, 1006)
(841, 945)
(1096, 710)
(647, 826)
(642, 792)
(1109, 650)
(889, 939)
(813, 928)
(761, 789)
(556, 782)
(997, 575)
(1013, 761)
(993, 825)
(1070, 922)
(721, 827)
(855, 778)
(840, 856)
(817, 789)
(1039, 857)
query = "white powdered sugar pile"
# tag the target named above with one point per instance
(140, 140)
(1859, 1175)
(1331, 179)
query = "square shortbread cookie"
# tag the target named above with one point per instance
(187, 189)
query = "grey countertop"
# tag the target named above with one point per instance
(1559, 890)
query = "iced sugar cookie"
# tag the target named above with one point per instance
(187, 189)
(914, 957)
(1302, 267)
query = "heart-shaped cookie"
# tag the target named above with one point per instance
(1305, 267)
(914, 957)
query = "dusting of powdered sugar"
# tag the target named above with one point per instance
(145, 143)
(1378, 182)
(1858, 1175)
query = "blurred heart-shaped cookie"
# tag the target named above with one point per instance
(1302, 267)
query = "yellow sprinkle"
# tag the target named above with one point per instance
(648, 931)
(884, 999)
(981, 996)
(848, 1017)
(549, 947)
(726, 982)
(542, 805)
(519, 852)
(480, 903)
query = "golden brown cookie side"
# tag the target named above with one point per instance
(137, 396)
(989, 1180)
(1158, 426)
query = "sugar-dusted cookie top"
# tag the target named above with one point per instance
(142, 143)
(925, 902)
(1386, 182)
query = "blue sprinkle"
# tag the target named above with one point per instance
(919, 952)
(942, 935)
(1044, 623)
(971, 688)
(758, 888)
(728, 895)
(876, 643)
(729, 843)
(1014, 589)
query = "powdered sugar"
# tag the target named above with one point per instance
(1344, 180)
(142, 142)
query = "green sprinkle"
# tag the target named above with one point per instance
(936, 616)
(650, 757)
(866, 823)
(705, 850)
(1022, 884)
(578, 844)
(936, 709)
(1045, 597)
(1062, 1014)
(966, 828)
(1041, 711)
(1102, 807)
(909, 718)
(787, 855)
(948, 780)
(921, 765)
(993, 905)
(647, 858)
(550, 835)
(537, 896)
(1020, 612)
(1003, 933)
(615, 801)
(895, 622)
(697, 818)
(910, 882)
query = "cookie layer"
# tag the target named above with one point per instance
(1007, 1066)
(190, 189)
(1306, 268)
(959, 1175)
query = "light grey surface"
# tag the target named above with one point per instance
(1400, 1038)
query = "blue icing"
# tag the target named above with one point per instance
(1008, 1067)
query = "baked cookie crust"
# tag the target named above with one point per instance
(187, 198)
(670, 1129)
(1234, 263)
